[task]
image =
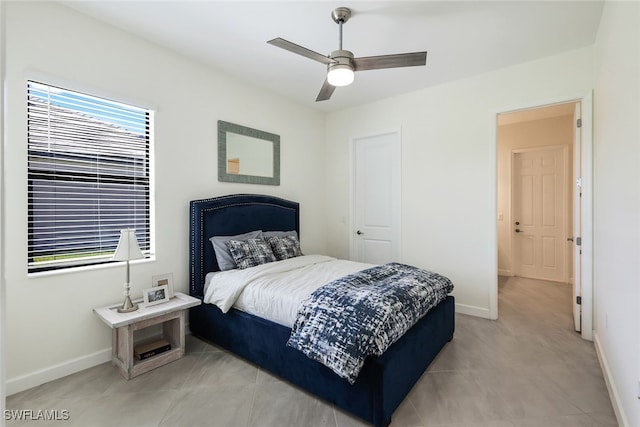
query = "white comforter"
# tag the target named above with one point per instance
(275, 290)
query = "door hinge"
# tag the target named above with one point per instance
(579, 300)
(579, 241)
(579, 123)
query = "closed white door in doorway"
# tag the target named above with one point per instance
(376, 219)
(539, 197)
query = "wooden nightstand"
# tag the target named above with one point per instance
(170, 314)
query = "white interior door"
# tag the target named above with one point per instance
(376, 219)
(577, 218)
(539, 213)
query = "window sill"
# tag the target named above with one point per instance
(85, 268)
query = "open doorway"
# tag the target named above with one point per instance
(538, 202)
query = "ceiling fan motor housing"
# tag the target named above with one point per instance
(342, 57)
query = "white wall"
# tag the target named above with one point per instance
(53, 312)
(617, 203)
(449, 166)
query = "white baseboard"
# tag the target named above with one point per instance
(41, 376)
(27, 381)
(611, 387)
(472, 310)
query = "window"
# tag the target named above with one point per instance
(88, 177)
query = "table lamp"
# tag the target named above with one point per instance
(127, 249)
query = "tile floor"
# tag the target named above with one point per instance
(527, 369)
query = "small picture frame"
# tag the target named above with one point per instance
(164, 280)
(155, 295)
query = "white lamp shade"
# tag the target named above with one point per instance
(340, 75)
(127, 246)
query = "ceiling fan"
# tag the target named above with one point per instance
(341, 64)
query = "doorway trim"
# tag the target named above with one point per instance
(586, 101)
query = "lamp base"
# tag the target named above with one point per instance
(127, 306)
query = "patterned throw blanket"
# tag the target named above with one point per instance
(363, 313)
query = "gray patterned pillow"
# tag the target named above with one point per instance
(284, 247)
(223, 255)
(251, 252)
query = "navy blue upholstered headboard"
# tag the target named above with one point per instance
(231, 215)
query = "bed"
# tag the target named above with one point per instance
(383, 382)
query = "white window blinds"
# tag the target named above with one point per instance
(88, 177)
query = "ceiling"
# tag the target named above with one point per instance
(462, 38)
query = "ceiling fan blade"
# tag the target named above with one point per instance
(292, 47)
(326, 91)
(390, 61)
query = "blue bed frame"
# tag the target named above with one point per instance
(383, 382)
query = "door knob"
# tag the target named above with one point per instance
(359, 232)
(517, 222)
(518, 230)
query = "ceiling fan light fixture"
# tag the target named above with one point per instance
(340, 75)
(340, 72)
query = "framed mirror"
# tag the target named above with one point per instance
(247, 155)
